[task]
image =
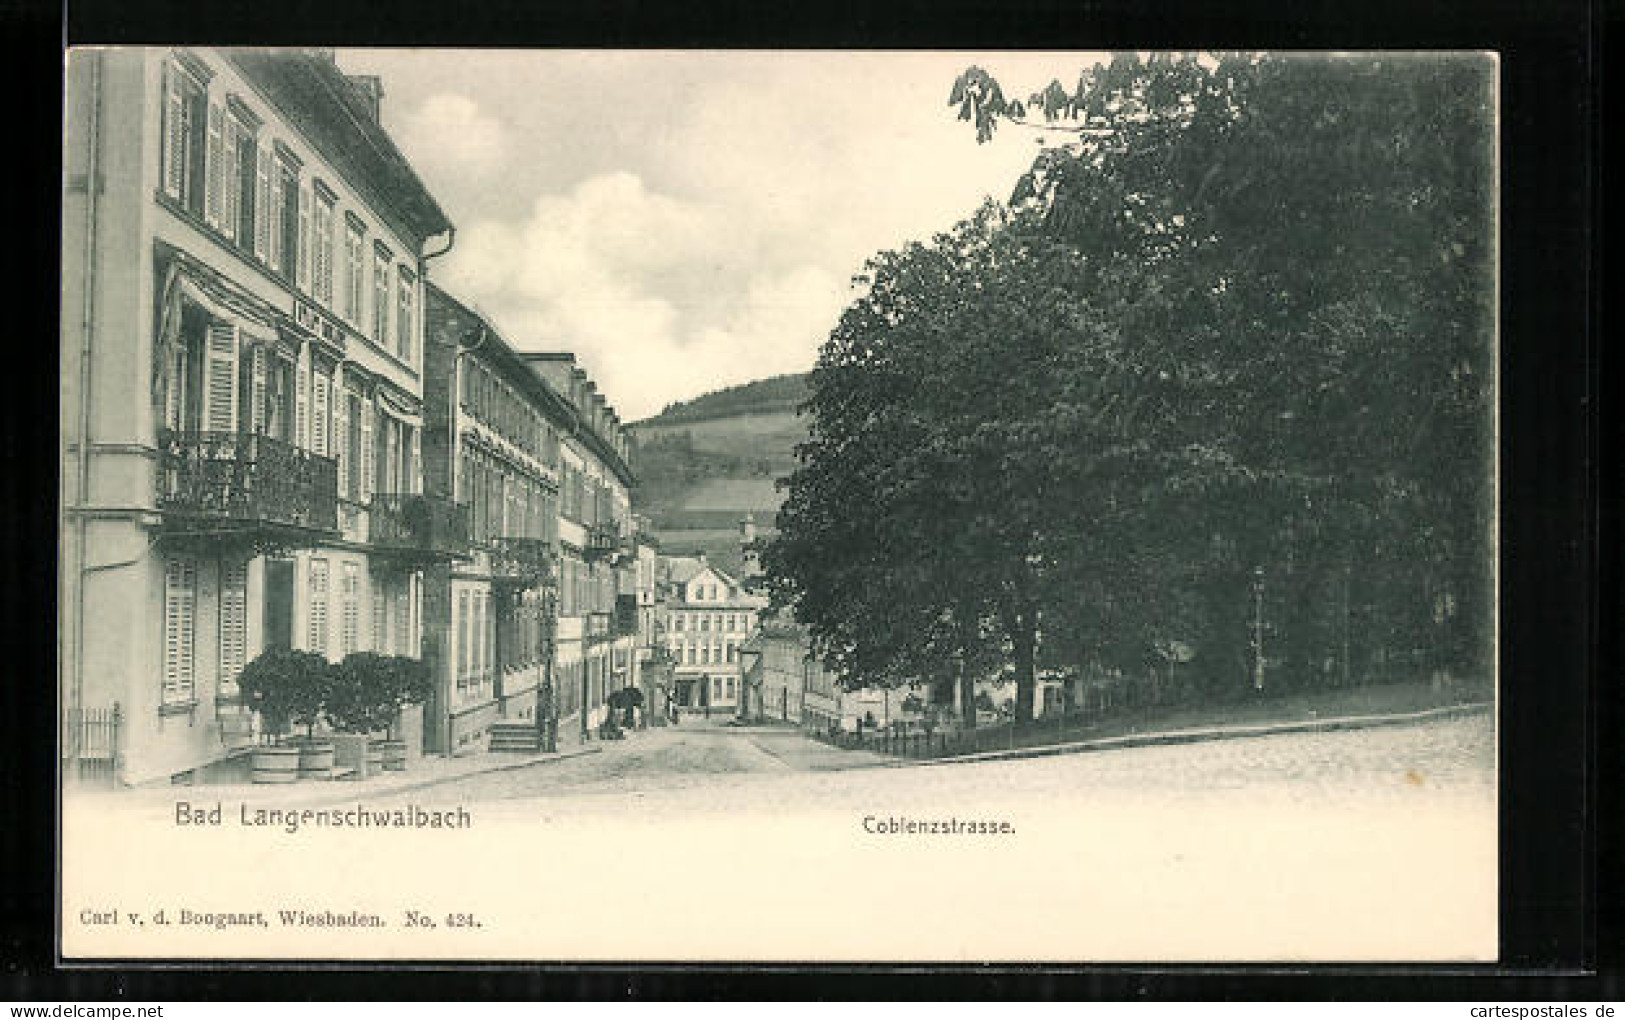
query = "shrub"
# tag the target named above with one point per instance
(286, 687)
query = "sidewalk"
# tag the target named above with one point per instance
(1200, 733)
(421, 773)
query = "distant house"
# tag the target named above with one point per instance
(709, 616)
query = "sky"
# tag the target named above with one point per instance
(687, 220)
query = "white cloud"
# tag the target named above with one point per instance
(607, 272)
(450, 136)
(684, 220)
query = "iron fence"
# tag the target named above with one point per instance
(92, 752)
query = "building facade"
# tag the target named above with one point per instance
(596, 636)
(709, 616)
(244, 251)
(493, 445)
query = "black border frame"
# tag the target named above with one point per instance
(1560, 719)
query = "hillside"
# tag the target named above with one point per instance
(702, 464)
(778, 394)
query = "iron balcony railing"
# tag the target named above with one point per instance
(244, 479)
(602, 540)
(522, 561)
(410, 522)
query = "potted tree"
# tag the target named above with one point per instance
(288, 687)
(406, 683)
(360, 704)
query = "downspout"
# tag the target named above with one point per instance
(88, 329)
(451, 460)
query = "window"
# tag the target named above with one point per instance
(302, 238)
(278, 413)
(350, 621)
(316, 633)
(380, 296)
(285, 214)
(180, 612)
(380, 616)
(406, 285)
(263, 192)
(182, 157)
(355, 238)
(477, 642)
(321, 386)
(462, 641)
(350, 455)
(322, 246)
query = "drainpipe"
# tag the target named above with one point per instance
(88, 328)
(451, 461)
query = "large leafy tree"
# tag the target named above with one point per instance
(1235, 330)
(1311, 244)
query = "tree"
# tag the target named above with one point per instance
(286, 687)
(1311, 247)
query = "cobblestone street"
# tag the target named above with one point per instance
(713, 766)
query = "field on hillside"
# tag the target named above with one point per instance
(753, 438)
(733, 494)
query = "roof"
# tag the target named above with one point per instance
(309, 86)
(683, 569)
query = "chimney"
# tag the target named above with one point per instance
(370, 87)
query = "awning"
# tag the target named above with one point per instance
(397, 407)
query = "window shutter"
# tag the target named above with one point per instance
(380, 617)
(257, 391)
(173, 390)
(366, 452)
(180, 596)
(414, 469)
(231, 182)
(302, 263)
(220, 374)
(341, 440)
(174, 133)
(233, 622)
(273, 220)
(301, 403)
(213, 171)
(262, 205)
(320, 385)
(349, 633)
(316, 632)
(403, 620)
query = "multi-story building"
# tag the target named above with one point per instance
(596, 640)
(243, 256)
(492, 443)
(651, 664)
(709, 615)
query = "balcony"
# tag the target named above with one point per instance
(245, 484)
(416, 527)
(602, 541)
(522, 562)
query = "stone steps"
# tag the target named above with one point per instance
(521, 738)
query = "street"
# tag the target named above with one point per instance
(715, 766)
